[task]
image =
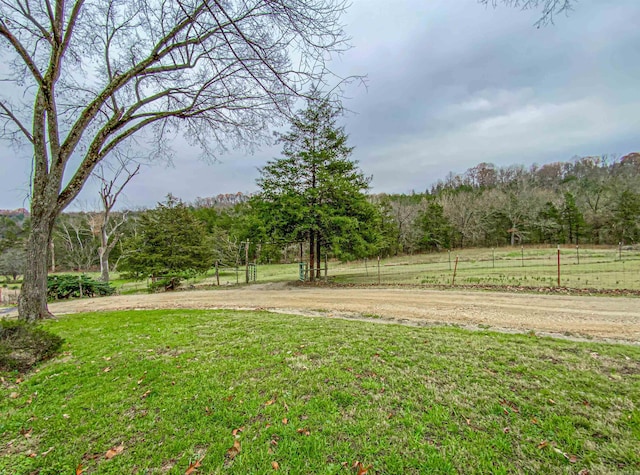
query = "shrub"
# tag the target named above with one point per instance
(67, 286)
(170, 282)
(23, 345)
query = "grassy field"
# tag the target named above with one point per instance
(602, 268)
(599, 268)
(249, 392)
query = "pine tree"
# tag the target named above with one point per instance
(315, 192)
(170, 244)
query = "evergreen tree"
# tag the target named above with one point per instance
(314, 192)
(170, 244)
(436, 229)
(627, 217)
(572, 219)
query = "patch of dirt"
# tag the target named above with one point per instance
(573, 316)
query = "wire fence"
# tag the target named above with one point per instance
(575, 267)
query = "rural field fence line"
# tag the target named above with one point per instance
(575, 267)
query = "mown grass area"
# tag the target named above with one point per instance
(156, 391)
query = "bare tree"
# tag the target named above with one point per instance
(460, 208)
(12, 263)
(84, 76)
(109, 228)
(519, 204)
(78, 240)
(549, 8)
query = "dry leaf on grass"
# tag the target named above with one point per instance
(235, 432)
(46, 452)
(79, 469)
(360, 468)
(233, 451)
(193, 467)
(114, 451)
(570, 458)
(275, 465)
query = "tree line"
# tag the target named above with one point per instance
(590, 200)
(587, 200)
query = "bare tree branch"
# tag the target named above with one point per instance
(550, 8)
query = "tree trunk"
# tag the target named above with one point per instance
(104, 252)
(32, 304)
(104, 265)
(312, 258)
(318, 263)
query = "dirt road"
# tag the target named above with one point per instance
(606, 318)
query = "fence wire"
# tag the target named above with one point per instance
(581, 268)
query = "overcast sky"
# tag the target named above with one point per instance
(450, 83)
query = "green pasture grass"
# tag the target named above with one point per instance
(599, 268)
(164, 389)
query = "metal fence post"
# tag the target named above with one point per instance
(455, 270)
(558, 265)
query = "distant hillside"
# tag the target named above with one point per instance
(20, 212)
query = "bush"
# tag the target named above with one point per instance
(170, 282)
(75, 286)
(23, 345)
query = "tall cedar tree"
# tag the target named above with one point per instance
(314, 192)
(169, 244)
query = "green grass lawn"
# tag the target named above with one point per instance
(159, 390)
